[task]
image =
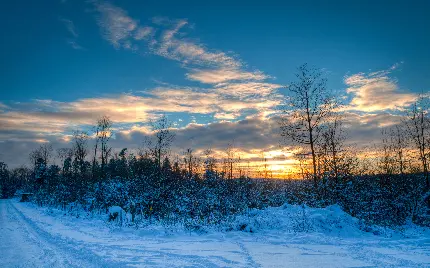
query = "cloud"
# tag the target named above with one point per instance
(3, 106)
(246, 134)
(75, 45)
(123, 31)
(251, 138)
(49, 117)
(232, 92)
(226, 116)
(224, 75)
(376, 92)
(143, 33)
(70, 26)
(364, 130)
(255, 137)
(233, 89)
(50, 121)
(249, 89)
(191, 53)
(117, 27)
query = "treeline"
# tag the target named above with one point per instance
(315, 120)
(202, 190)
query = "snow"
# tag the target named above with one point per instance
(115, 209)
(25, 244)
(287, 236)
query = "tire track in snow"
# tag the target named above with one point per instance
(157, 255)
(247, 255)
(16, 247)
(57, 251)
(362, 252)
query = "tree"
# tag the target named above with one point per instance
(6, 186)
(163, 137)
(64, 153)
(309, 105)
(264, 165)
(210, 162)
(190, 161)
(386, 161)
(103, 134)
(399, 146)
(418, 127)
(333, 149)
(166, 167)
(40, 159)
(41, 154)
(230, 160)
(80, 150)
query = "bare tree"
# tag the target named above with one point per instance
(210, 161)
(190, 161)
(64, 153)
(418, 127)
(386, 160)
(43, 154)
(103, 133)
(163, 138)
(264, 165)
(309, 105)
(230, 160)
(301, 157)
(333, 149)
(399, 145)
(96, 133)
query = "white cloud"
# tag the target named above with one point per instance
(234, 88)
(181, 49)
(143, 33)
(376, 91)
(121, 30)
(246, 90)
(48, 116)
(216, 76)
(227, 116)
(116, 25)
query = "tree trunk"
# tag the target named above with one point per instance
(314, 164)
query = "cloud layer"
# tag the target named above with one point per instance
(230, 84)
(376, 91)
(241, 103)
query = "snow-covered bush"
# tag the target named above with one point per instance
(173, 197)
(117, 214)
(301, 221)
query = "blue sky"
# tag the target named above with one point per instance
(66, 62)
(273, 37)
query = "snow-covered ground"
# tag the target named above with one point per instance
(287, 236)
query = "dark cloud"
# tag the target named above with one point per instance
(248, 136)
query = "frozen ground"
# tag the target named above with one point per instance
(34, 237)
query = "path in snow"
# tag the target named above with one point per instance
(22, 244)
(31, 237)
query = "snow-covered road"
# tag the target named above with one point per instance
(34, 237)
(24, 244)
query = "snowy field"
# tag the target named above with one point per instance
(277, 237)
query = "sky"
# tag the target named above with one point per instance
(217, 69)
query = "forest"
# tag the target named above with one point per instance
(388, 187)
